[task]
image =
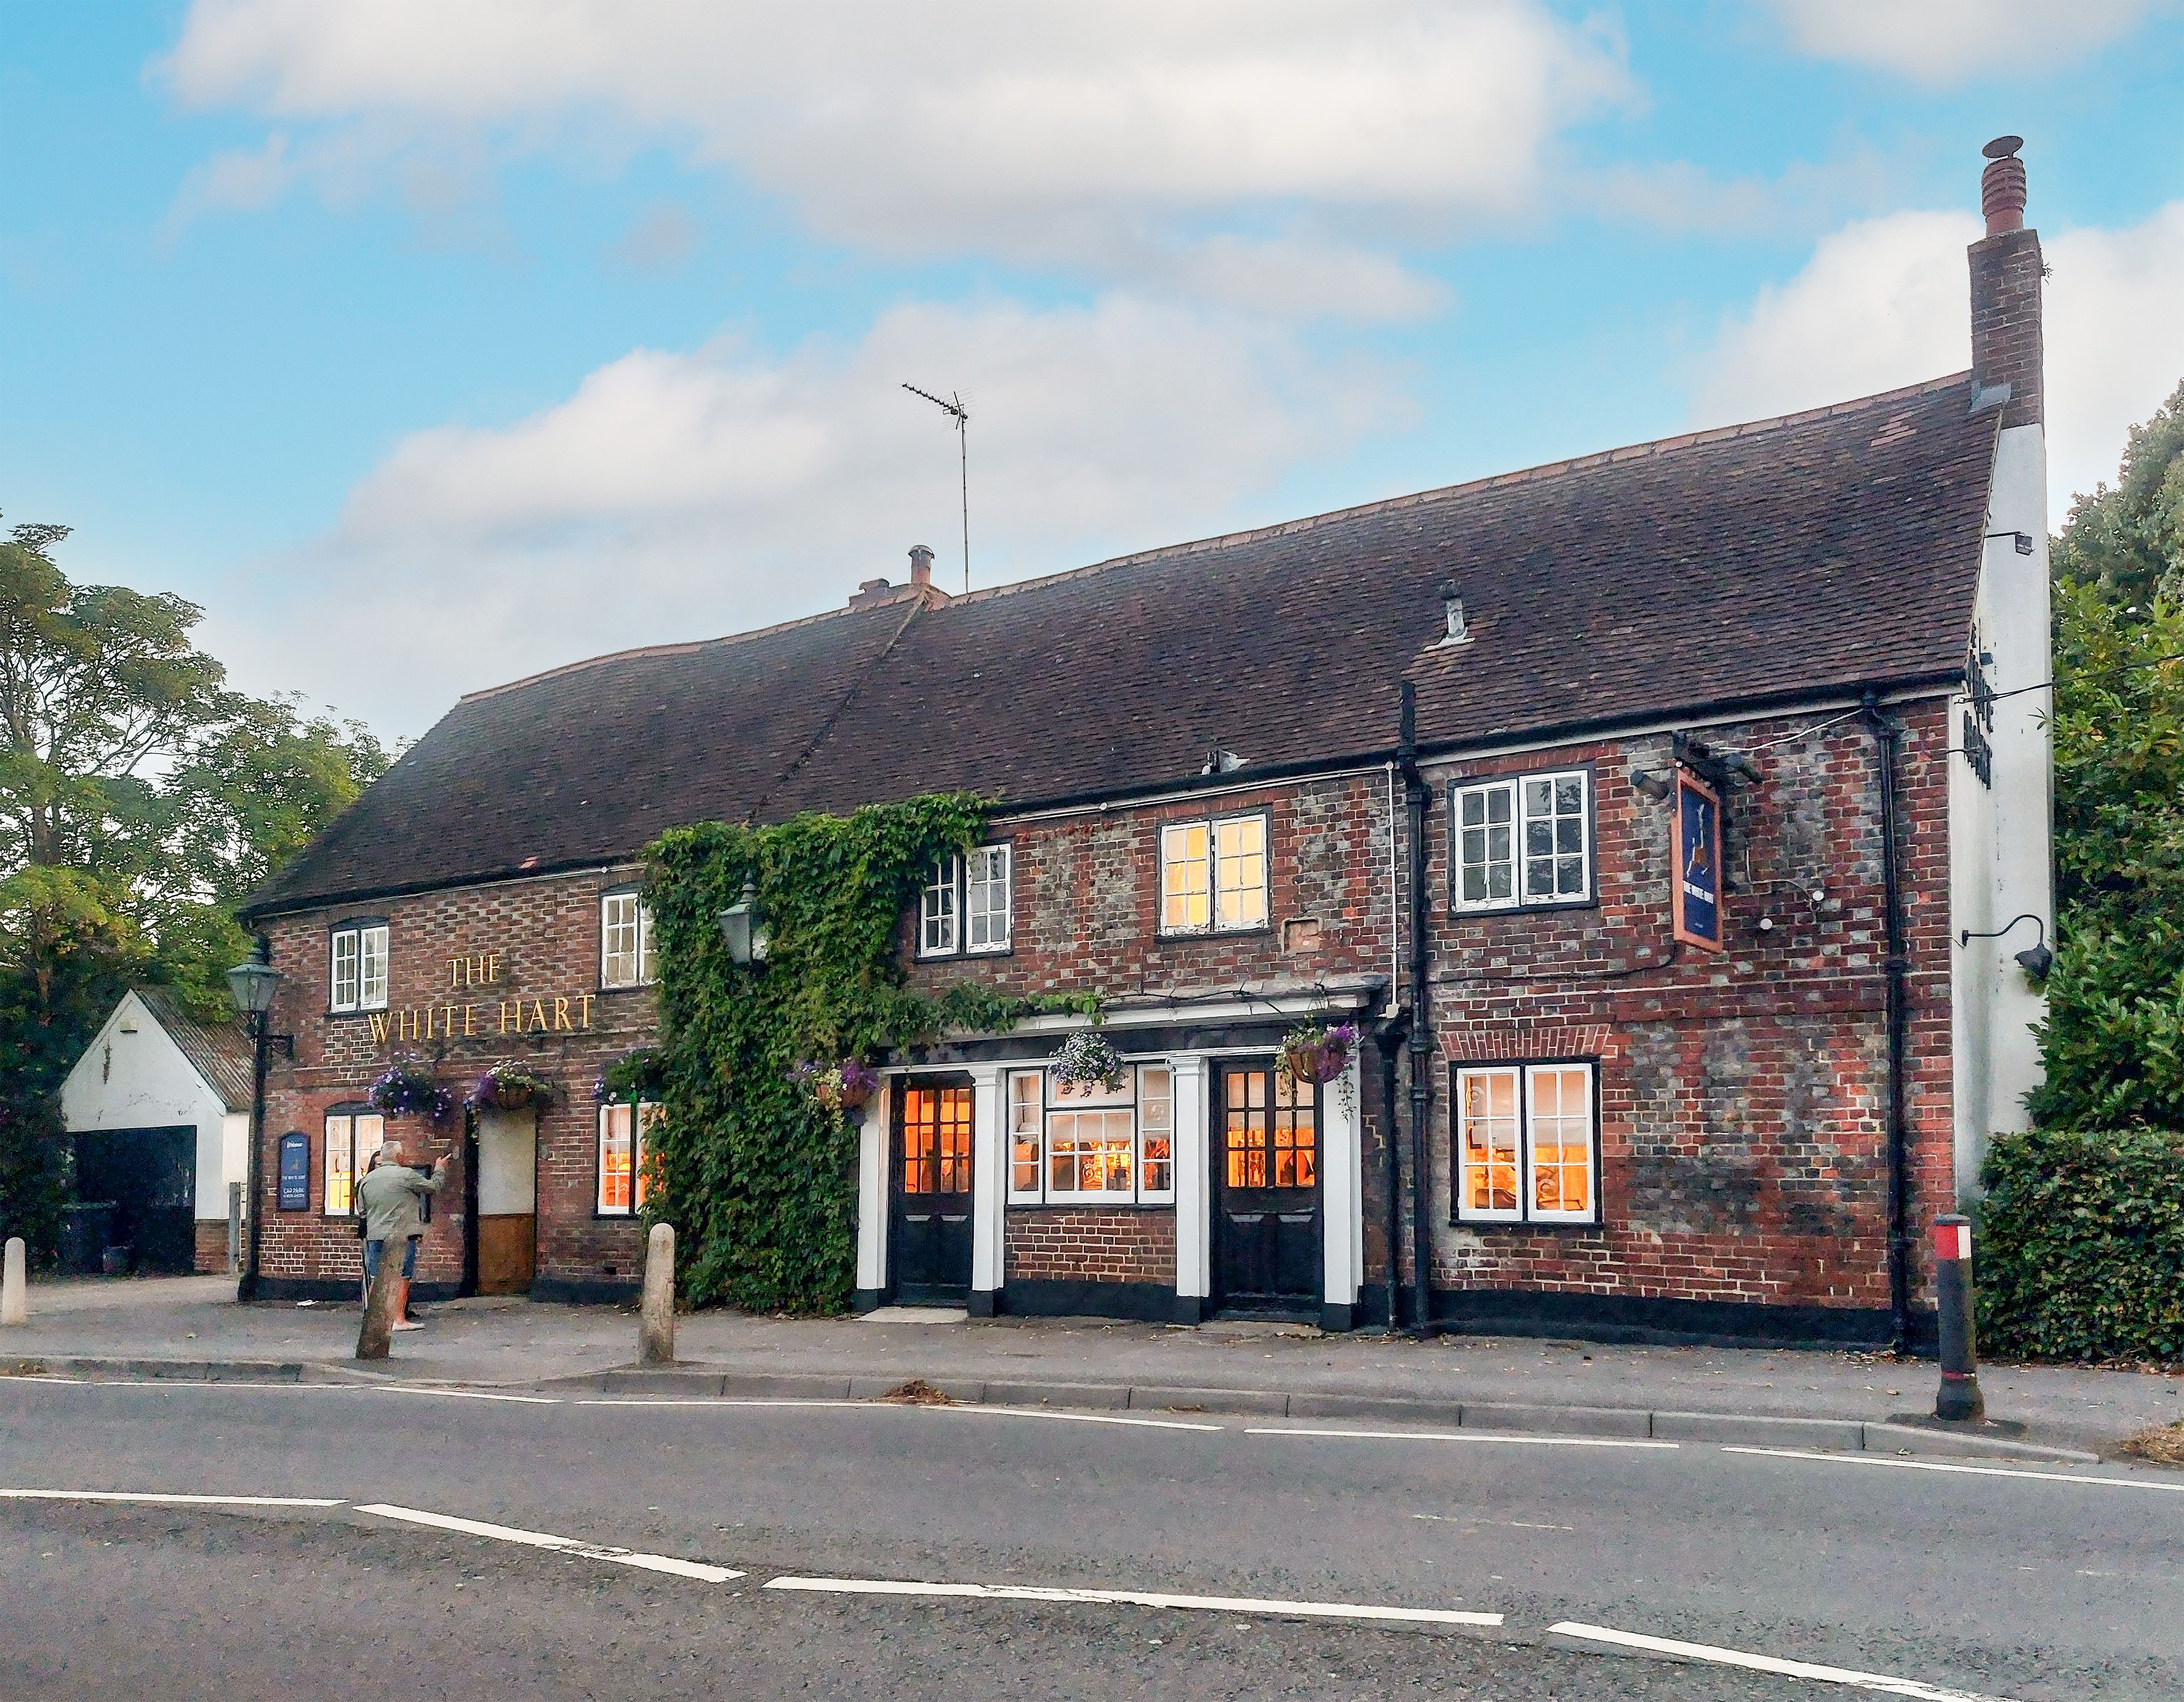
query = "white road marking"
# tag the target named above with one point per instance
(449, 1393)
(1304, 1610)
(1078, 1417)
(730, 1400)
(914, 1407)
(1767, 1663)
(164, 1500)
(169, 1385)
(1462, 1436)
(565, 1545)
(1968, 1471)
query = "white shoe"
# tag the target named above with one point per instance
(403, 1324)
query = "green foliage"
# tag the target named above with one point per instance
(759, 1182)
(2080, 1253)
(2128, 540)
(33, 1185)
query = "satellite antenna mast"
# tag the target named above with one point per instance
(952, 406)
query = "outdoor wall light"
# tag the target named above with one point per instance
(1654, 786)
(2021, 541)
(2036, 959)
(744, 929)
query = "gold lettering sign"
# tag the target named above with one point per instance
(410, 1024)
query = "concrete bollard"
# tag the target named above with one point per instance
(656, 1334)
(377, 1336)
(1960, 1397)
(15, 1284)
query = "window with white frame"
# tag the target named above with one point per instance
(1087, 1145)
(358, 974)
(1524, 840)
(625, 942)
(623, 1127)
(1526, 1141)
(1213, 874)
(352, 1138)
(965, 905)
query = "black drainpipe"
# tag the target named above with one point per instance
(1421, 1034)
(1390, 1036)
(1887, 736)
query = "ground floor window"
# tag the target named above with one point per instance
(1526, 1144)
(352, 1135)
(1086, 1145)
(622, 1129)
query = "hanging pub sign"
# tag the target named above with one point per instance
(1696, 904)
(295, 1171)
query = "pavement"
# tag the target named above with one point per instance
(191, 1328)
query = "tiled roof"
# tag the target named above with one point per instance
(1761, 563)
(219, 1051)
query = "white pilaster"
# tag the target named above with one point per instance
(1194, 1259)
(989, 1174)
(872, 1191)
(1342, 1158)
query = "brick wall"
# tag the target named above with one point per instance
(1091, 1245)
(210, 1254)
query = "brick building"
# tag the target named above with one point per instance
(1658, 817)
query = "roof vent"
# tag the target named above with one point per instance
(2002, 186)
(872, 591)
(921, 566)
(1451, 602)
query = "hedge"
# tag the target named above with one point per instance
(2081, 1250)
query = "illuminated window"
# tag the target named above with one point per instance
(1525, 1141)
(936, 1139)
(1213, 874)
(625, 957)
(1269, 1131)
(1088, 1145)
(623, 1131)
(965, 905)
(1527, 840)
(358, 972)
(352, 1138)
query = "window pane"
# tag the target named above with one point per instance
(371, 975)
(1156, 1130)
(344, 971)
(1554, 838)
(1241, 870)
(937, 918)
(371, 1137)
(1186, 878)
(618, 940)
(1561, 1140)
(1487, 1140)
(1025, 1113)
(1486, 867)
(340, 1174)
(955, 1140)
(647, 971)
(986, 899)
(647, 1116)
(616, 1166)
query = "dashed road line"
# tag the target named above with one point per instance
(1968, 1470)
(165, 1500)
(565, 1545)
(1880, 1682)
(1251, 1605)
(1460, 1436)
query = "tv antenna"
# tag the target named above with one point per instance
(952, 406)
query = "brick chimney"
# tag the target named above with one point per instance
(921, 567)
(2006, 271)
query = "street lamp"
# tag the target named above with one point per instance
(251, 984)
(743, 928)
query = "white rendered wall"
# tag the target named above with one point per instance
(989, 1174)
(872, 1191)
(142, 1080)
(2001, 841)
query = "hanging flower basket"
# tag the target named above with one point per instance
(839, 1087)
(636, 1075)
(1317, 1052)
(405, 1092)
(1088, 1058)
(511, 1088)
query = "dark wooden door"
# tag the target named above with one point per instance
(150, 1176)
(1266, 1191)
(929, 1233)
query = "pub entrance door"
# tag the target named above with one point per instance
(1266, 1192)
(929, 1213)
(505, 1220)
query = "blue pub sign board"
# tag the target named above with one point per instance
(295, 1171)
(1697, 888)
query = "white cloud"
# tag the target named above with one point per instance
(1944, 41)
(1887, 302)
(1048, 133)
(677, 494)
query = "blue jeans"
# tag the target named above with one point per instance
(409, 1258)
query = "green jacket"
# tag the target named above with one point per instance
(388, 1198)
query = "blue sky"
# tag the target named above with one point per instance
(430, 342)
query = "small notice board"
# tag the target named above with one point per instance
(295, 1171)
(1696, 901)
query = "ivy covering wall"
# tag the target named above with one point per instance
(759, 1183)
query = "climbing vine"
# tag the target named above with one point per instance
(757, 1176)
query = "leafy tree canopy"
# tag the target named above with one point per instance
(2128, 539)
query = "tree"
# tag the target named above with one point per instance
(2126, 542)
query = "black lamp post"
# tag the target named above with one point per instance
(743, 928)
(252, 983)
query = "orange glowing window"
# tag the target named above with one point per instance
(936, 1140)
(1270, 1130)
(1526, 1139)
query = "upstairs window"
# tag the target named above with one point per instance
(625, 942)
(1086, 1145)
(353, 1137)
(1525, 1144)
(966, 906)
(1523, 841)
(1213, 874)
(359, 976)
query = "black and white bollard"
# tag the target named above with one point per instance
(655, 1333)
(1960, 1397)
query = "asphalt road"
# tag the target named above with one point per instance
(2015, 1586)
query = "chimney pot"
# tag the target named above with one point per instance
(921, 566)
(2005, 279)
(2002, 186)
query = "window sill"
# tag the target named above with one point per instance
(1091, 1203)
(1185, 936)
(1480, 1225)
(1472, 913)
